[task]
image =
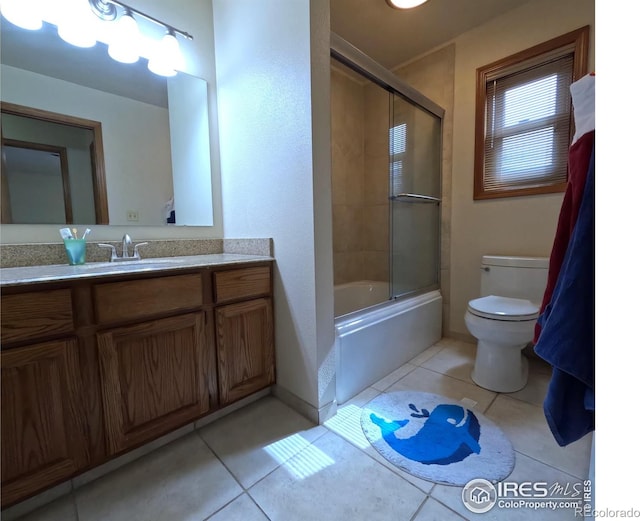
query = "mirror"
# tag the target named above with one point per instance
(155, 133)
(52, 168)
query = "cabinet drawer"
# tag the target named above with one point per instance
(36, 315)
(242, 283)
(144, 298)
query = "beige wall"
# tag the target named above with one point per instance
(509, 226)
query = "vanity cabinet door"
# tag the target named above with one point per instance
(153, 378)
(43, 435)
(244, 335)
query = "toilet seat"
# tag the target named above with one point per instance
(503, 308)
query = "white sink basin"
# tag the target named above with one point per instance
(126, 266)
(155, 262)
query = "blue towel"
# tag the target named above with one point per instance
(567, 340)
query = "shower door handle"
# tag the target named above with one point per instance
(416, 198)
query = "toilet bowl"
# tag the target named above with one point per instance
(504, 317)
(503, 327)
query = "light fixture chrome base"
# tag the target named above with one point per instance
(104, 9)
(107, 10)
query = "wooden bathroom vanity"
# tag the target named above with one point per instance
(96, 364)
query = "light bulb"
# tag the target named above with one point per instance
(167, 58)
(77, 24)
(23, 13)
(405, 4)
(124, 43)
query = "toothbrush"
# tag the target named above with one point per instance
(65, 233)
(75, 233)
(86, 232)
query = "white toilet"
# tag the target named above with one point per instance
(504, 317)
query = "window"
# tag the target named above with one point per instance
(397, 151)
(524, 118)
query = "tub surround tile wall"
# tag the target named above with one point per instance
(360, 179)
(14, 255)
(347, 175)
(376, 184)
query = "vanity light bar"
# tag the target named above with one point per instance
(105, 9)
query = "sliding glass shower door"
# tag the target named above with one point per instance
(415, 190)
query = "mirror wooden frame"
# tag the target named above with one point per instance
(96, 150)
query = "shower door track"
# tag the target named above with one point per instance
(354, 58)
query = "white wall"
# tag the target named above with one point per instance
(194, 17)
(508, 226)
(272, 60)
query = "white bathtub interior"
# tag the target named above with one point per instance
(372, 342)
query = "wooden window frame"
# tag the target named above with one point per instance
(578, 43)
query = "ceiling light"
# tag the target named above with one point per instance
(23, 13)
(124, 43)
(405, 4)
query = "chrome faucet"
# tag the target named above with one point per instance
(126, 242)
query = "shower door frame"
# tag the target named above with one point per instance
(354, 58)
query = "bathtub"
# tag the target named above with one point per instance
(371, 343)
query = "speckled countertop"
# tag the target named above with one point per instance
(56, 272)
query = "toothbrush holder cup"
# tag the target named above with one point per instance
(76, 251)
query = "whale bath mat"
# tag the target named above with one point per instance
(436, 438)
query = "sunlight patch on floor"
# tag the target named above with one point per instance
(346, 423)
(298, 456)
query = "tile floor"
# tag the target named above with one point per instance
(266, 462)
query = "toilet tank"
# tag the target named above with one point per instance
(515, 277)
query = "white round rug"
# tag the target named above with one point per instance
(436, 438)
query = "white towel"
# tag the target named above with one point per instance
(583, 94)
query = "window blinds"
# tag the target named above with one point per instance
(528, 125)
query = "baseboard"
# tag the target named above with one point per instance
(317, 416)
(463, 337)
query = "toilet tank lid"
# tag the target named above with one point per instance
(517, 262)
